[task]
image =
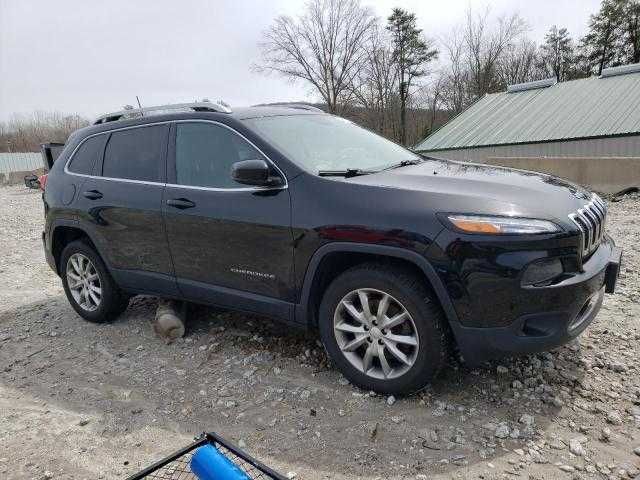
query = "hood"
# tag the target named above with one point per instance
(476, 188)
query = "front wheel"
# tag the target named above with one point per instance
(384, 329)
(88, 285)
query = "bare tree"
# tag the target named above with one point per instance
(324, 46)
(25, 133)
(455, 76)
(375, 83)
(430, 97)
(518, 64)
(485, 46)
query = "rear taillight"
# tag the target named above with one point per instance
(43, 181)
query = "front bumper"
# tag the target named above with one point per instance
(582, 294)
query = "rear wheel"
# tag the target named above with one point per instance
(383, 328)
(88, 285)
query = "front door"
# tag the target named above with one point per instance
(231, 244)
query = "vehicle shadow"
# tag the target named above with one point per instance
(272, 387)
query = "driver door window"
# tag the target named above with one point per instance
(205, 153)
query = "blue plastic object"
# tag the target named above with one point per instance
(208, 463)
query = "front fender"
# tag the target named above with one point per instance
(301, 311)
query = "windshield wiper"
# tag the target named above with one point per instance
(349, 172)
(405, 163)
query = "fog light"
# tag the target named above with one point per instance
(586, 310)
(542, 271)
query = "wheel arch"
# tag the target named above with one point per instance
(312, 285)
(65, 232)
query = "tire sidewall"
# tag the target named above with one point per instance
(109, 291)
(419, 306)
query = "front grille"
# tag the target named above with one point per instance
(591, 219)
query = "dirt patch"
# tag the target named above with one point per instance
(100, 401)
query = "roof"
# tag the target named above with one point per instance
(274, 111)
(211, 107)
(176, 115)
(603, 106)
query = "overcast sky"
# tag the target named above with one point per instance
(92, 57)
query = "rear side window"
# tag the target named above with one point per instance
(87, 155)
(205, 153)
(136, 154)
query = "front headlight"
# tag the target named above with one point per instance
(490, 225)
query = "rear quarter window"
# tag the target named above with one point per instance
(86, 156)
(136, 154)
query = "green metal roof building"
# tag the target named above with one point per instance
(590, 118)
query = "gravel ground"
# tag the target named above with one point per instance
(100, 401)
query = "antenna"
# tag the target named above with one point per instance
(139, 106)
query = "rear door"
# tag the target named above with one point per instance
(121, 206)
(231, 244)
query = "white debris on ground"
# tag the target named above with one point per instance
(101, 401)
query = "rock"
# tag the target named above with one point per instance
(291, 475)
(618, 367)
(47, 475)
(576, 447)
(305, 394)
(516, 385)
(557, 444)
(567, 468)
(83, 422)
(502, 431)
(637, 451)
(605, 435)
(502, 370)
(614, 418)
(391, 400)
(249, 373)
(527, 419)
(242, 443)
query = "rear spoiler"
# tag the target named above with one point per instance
(50, 152)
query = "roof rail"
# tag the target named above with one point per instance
(141, 112)
(523, 87)
(299, 106)
(621, 70)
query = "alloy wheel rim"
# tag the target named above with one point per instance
(376, 333)
(84, 282)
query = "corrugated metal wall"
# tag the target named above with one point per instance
(628, 146)
(20, 162)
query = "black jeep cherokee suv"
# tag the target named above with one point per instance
(306, 217)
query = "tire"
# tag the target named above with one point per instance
(73, 263)
(424, 345)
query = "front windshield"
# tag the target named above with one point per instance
(325, 143)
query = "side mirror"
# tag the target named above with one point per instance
(254, 172)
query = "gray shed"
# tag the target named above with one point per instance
(587, 130)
